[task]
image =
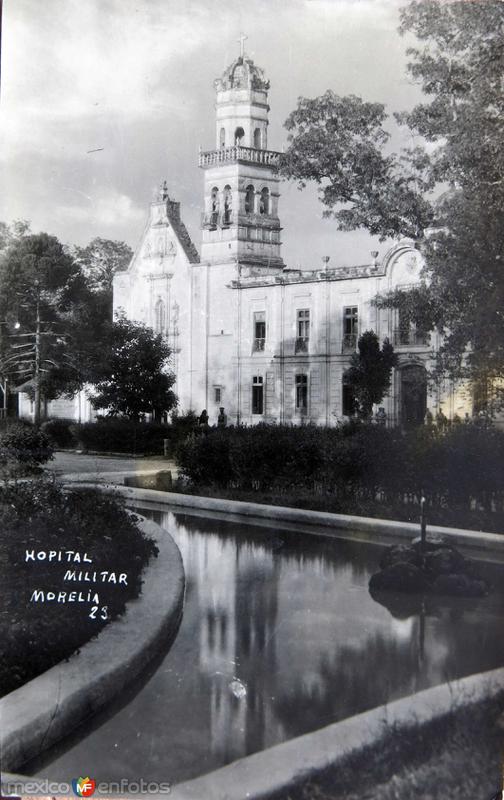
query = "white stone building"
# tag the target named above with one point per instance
(249, 334)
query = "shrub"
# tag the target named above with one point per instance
(60, 432)
(206, 460)
(117, 435)
(39, 515)
(24, 447)
(459, 469)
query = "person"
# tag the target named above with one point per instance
(203, 418)
(381, 416)
(221, 419)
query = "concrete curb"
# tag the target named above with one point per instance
(286, 765)
(36, 715)
(338, 522)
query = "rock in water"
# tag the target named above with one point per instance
(401, 577)
(444, 561)
(459, 585)
(400, 554)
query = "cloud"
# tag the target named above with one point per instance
(68, 66)
(133, 81)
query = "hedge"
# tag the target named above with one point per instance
(120, 435)
(461, 467)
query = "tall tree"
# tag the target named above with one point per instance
(130, 373)
(370, 371)
(42, 290)
(448, 195)
(100, 260)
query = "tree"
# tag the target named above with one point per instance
(370, 372)
(447, 194)
(130, 375)
(41, 292)
(338, 142)
(100, 260)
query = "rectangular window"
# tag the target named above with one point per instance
(218, 394)
(302, 393)
(257, 394)
(348, 400)
(350, 328)
(259, 330)
(302, 330)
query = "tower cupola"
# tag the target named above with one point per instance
(242, 105)
(240, 222)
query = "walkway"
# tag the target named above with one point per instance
(110, 469)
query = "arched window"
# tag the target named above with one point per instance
(222, 138)
(249, 199)
(227, 205)
(161, 246)
(264, 202)
(257, 138)
(214, 199)
(239, 134)
(160, 317)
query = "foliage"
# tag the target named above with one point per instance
(37, 271)
(338, 143)
(39, 515)
(447, 193)
(23, 448)
(370, 372)
(100, 260)
(129, 372)
(59, 432)
(359, 468)
(120, 435)
(13, 232)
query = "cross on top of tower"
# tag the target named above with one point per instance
(242, 40)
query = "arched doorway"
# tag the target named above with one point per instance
(413, 395)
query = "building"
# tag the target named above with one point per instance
(266, 342)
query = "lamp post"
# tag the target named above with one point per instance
(36, 418)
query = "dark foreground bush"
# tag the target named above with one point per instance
(23, 448)
(60, 432)
(40, 517)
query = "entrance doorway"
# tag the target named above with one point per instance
(413, 395)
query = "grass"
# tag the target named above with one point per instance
(456, 756)
(40, 516)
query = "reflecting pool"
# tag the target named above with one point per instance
(279, 636)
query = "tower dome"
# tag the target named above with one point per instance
(242, 74)
(242, 105)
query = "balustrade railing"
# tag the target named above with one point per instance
(408, 337)
(238, 153)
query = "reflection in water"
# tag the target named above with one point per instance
(280, 636)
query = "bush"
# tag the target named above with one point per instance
(39, 515)
(60, 432)
(117, 435)
(460, 470)
(23, 447)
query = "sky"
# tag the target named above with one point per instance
(101, 100)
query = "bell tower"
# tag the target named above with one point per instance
(240, 222)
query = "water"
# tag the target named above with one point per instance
(279, 637)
